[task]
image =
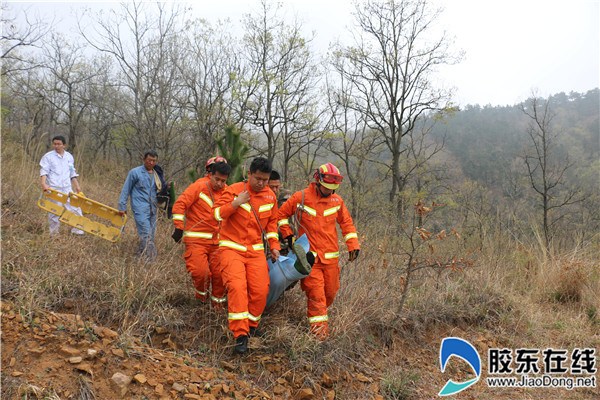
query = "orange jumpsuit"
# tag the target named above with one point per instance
(241, 251)
(192, 212)
(317, 220)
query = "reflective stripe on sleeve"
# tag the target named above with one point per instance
(178, 217)
(283, 222)
(350, 236)
(218, 214)
(331, 211)
(258, 246)
(332, 255)
(206, 199)
(272, 235)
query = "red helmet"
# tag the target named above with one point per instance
(329, 176)
(213, 160)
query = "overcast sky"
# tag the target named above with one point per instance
(511, 46)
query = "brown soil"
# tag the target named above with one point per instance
(61, 356)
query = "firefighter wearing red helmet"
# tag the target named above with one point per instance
(316, 209)
(192, 217)
(213, 160)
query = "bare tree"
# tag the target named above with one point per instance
(28, 112)
(16, 36)
(280, 91)
(103, 112)
(391, 66)
(420, 172)
(357, 146)
(143, 43)
(545, 170)
(306, 161)
(210, 71)
(65, 85)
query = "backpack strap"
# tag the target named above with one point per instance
(264, 234)
(298, 216)
(213, 200)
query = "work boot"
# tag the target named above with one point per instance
(241, 344)
(321, 332)
(304, 260)
(254, 332)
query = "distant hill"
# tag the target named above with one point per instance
(487, 140)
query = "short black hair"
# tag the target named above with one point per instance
(275, 176)
(151, 153)
(220, 167)
(61, 138)
(260, 164)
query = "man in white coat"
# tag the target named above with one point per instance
(58, 173)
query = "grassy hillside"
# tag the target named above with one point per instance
(503, 294)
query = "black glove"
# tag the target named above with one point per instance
(177, 235)
(353, 255)
(290, 241)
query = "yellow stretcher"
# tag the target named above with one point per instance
(110, 231)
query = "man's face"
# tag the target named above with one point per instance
(59, 146)
(258, 180)
(325, 192)
(150, 162)
(275, 184)
(218, 181)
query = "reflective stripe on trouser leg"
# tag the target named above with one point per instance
(321, 287)
(234, 277)
(257, 272)
(200, 295)
(319, 326)
(246, 276)
(196, 262)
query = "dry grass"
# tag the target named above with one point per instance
(509, 285)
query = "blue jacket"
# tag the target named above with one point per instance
(140, 186)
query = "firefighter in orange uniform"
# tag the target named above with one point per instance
(247, 212)
(210, 162)
(317, 208)
(193, 219)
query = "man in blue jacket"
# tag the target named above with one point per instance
(142, 185)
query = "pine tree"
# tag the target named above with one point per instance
(233, 148)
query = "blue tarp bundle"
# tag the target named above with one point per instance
(282, 272)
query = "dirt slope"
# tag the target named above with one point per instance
(62, 356)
